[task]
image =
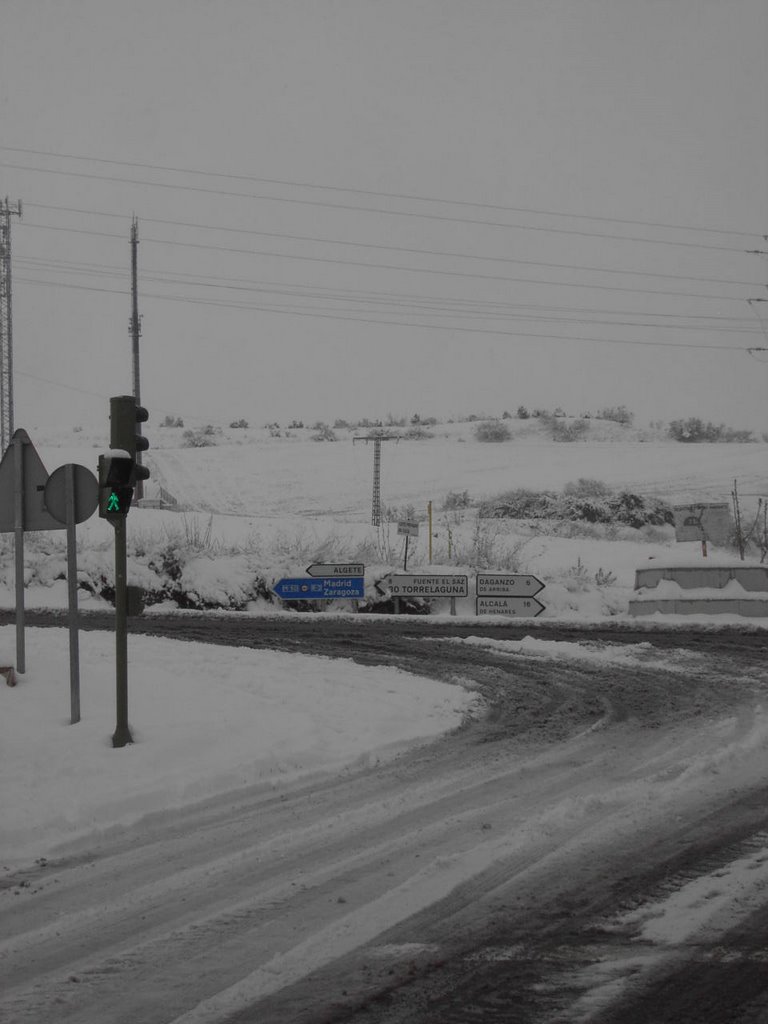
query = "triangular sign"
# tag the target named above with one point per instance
(34, 477)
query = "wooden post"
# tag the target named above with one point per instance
(429, 519)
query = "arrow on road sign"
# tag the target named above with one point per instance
(336, 569)
(523, 606)
(507, 584)
(406, 585)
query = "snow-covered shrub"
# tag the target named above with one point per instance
(635, 510)
(590, 510)
(561, 431)
(202, 437)
(624, 508)
(417, 433)
(323, 433)
(492, 430)
(617, 414)
(695, 430)
(456, 499)
(520, 504)
(585, 487)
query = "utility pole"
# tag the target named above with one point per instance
(377, 438)
(6, 324)
(135, 329)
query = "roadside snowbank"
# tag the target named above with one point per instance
(204, 720)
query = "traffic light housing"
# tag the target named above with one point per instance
(120, 469)
(115, 485)
(126, 417)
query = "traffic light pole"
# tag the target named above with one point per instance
(122, 733)
(119, 474)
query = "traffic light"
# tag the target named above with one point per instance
(119, 469)
(115, 485)
(126, 417)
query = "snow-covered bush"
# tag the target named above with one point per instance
(618, 414)
(585, 487)
(456, 499)
(562, 431)
(492, 430)
(202, 437)
(695, 430)
(323, 433)
(624, 508)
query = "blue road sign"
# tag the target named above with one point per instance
(327, 588)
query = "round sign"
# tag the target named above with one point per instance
(85, 493)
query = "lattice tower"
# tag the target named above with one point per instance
(6, 324)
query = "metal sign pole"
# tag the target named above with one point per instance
(74, 642)
(18, 540)
(122, 734)
(429, 520)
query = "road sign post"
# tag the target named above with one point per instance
(22, 479)
(122, 733)
(71, 496)
(18, 547)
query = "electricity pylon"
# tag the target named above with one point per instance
(6, 323)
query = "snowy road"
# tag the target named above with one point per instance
(593, 849)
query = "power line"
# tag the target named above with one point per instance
(379, 194)
(58, 384)
(312, 290)
(366, 209)
(414, 250)
(418, 308)
(388, 266)
(400, 323)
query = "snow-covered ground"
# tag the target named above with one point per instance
(204, 720)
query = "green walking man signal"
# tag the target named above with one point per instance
(119, 469)
(116, 479)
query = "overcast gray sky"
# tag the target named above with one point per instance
(353, 207)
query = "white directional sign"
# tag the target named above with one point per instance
(523, 606)
(504, 584)
(336, 569)
(402, 585)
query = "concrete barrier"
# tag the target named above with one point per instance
(690, 577)
(753, 607)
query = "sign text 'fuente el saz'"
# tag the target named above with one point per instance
(407, 585)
